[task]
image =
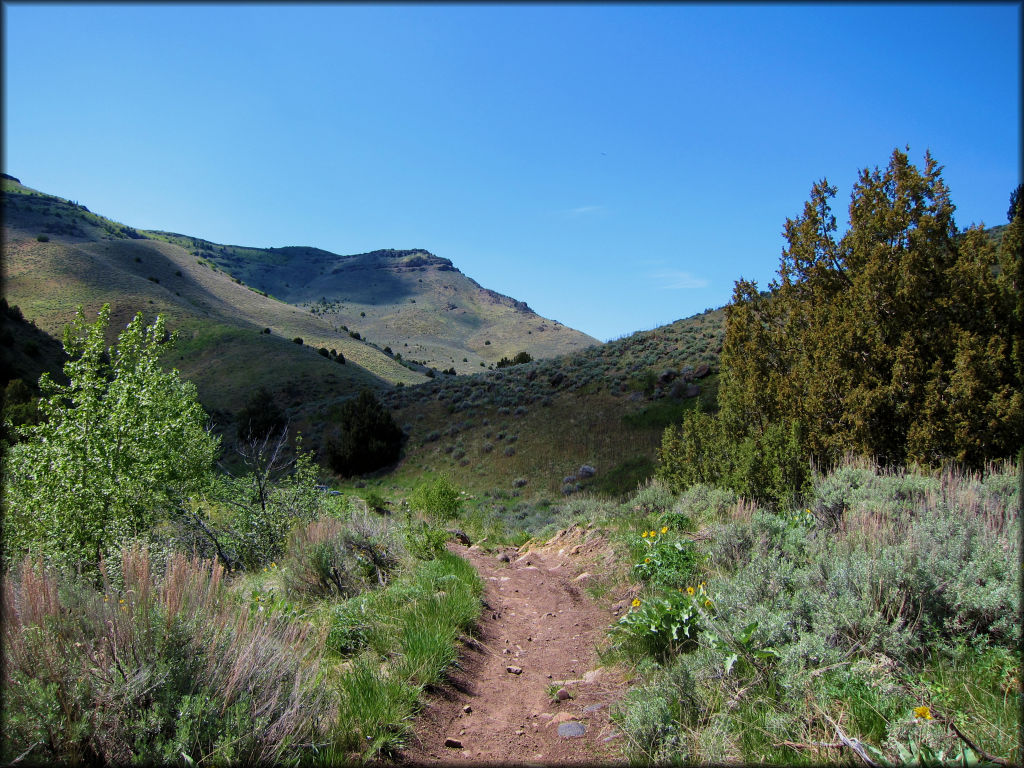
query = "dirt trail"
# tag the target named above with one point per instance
(537, 619)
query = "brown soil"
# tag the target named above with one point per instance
(537, 618)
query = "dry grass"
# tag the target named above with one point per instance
(101, 675)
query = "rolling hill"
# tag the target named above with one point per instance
(411, 301)
(238, 317)
(527, 430)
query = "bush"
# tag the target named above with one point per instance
(770, 467)
(260, 418)
(349, 626)
(153, 669)
(368, 437)
(331, 557)
(668, 564)
(439, 498)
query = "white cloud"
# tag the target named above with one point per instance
(677, 280)
(583, 210)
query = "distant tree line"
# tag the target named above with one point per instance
(519, 359)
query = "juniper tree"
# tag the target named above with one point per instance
(900, 340)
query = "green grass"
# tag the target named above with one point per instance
(415, 621)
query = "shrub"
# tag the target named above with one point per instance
(298, 340)
(340, 558)
(659, 627)
(260, 418)
(368, 437)
(666, 563)
(159, 667)
(43, 238)
(439, 498)
(349, 626)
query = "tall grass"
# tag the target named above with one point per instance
(404, 640)
(161, 667)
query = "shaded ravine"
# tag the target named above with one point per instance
(539, 632)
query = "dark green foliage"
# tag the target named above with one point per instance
(519, 359)
(769, 466)
(43, 238)
(367, 438)
(1015, 200)
(298, 340)
(261, 417)
(20, 408)
(625, 476)
(900, 341)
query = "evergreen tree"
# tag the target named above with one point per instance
(899, 341)
(261, 417)
(367, 437)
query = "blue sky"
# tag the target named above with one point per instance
(615, 166)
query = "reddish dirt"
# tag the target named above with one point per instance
(539, 619)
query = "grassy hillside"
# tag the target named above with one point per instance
(415, 303)
(58, 255)
(604, 407)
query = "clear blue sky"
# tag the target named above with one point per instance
(615, 166)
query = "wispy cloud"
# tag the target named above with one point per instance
(584, 210)
(677, 280)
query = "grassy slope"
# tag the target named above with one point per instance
(412, 301)
(542, 421)
(89, 260)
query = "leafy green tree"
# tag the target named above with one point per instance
(121, 443)
(367, 437)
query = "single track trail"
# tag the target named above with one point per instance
(539, 633)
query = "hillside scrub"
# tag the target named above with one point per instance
(886, 608)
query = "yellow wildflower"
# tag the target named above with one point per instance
(643, 535)
(636, 602)
(653, 534)
(689, 590)
(707, 603)
(664, 529)
(923, 713)
(647, 559)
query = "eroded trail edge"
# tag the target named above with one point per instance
(539, 633)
